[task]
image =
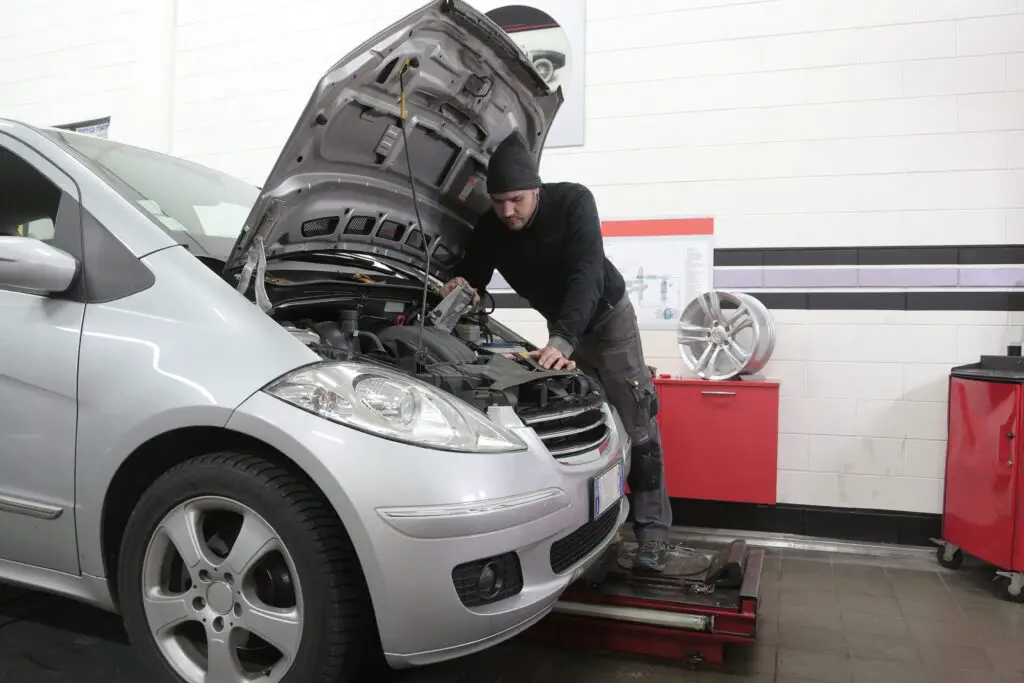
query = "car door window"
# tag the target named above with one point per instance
(29, 202)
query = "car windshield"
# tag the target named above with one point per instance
(179, 195)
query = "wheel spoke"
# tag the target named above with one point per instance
(742, 324)
(282, 628)
(254, 540)
(182, 527)
(741, 354)
(707, 359)
(732, 357)
(709, 304)
(223, 664)
(164, 612)
(739, 313)
(689, 334)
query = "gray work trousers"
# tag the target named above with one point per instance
(613, 354)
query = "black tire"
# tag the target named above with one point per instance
(339, 636)
(955, 563)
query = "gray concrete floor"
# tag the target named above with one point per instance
(825, 619)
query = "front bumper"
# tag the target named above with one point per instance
(414, 514)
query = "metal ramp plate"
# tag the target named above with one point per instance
(676, 615)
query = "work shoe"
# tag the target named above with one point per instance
(651, 556)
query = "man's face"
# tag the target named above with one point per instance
(515, 208)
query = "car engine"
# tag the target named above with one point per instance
(467, 354)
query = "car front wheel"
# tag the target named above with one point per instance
(232, 568)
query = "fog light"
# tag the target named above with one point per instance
(488, 579)
(490, 582)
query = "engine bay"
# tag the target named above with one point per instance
(458, 349)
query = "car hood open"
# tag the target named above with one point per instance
(342, 181)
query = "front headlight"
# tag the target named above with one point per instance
(392, 405)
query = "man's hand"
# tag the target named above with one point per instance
(450, 286)
(551, 358)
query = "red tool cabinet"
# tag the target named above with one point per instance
(983, 511)
(720, 439)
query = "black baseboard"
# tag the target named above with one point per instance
(841, 524)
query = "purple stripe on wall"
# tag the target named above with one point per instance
(738, 279)
(991, 277)
(908, 277)
(809, 277)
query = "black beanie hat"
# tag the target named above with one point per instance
(511, 167)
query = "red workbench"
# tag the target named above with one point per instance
(720, 439)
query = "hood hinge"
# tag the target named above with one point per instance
(256, 260)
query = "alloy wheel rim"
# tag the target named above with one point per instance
(221, 594)
(722, 335)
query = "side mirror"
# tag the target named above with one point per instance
(30, 265)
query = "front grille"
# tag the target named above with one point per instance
(508, 580)
(568, 551)
(569, 432)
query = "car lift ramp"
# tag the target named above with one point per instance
(705, 598)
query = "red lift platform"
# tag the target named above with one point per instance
(705, 599)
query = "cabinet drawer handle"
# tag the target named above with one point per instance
(719, 393)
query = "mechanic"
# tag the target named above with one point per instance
(545, 240)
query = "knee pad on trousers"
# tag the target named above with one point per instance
(645, 469)
(655, 405)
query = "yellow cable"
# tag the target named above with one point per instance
(405, 66)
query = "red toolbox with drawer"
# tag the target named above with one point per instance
(720, 439)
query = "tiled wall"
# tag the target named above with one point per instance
(794, 123)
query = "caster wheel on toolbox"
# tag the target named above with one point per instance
(1011, 586)
(950, 560)
(695, 659)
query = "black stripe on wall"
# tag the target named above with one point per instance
(860, 301)
(1005, 254)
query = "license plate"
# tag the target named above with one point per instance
(607, 489)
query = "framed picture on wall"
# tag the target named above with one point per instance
(552, 33)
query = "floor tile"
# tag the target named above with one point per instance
(942, 609)
(874, 624)
(933, 632)
(807, 582)
(882, 648)
(822, 668)
(1007, 659)
(950, 656)
(806, 567)
(857, 570)
(821, 616)
(812, 639)
(806, 597)
(868, 604)
(870, 586)
(874, 671)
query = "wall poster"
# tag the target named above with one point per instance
(96, 127)
(553, 34)
(666, 263)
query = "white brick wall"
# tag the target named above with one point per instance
(792, 122)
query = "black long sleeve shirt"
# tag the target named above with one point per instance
(557, 262)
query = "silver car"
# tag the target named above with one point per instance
(244, 419)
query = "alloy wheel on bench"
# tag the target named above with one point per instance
(722, 335)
